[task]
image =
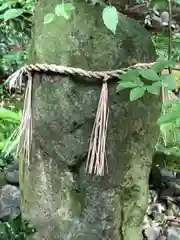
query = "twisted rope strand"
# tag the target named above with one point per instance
(15, 80)
(78, 71)
(96, 160)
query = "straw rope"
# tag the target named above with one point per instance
(96, 160)
(16, 78)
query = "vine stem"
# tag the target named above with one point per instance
(170, 33)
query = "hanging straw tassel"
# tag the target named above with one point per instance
(96, 160)
(25, 133)
(165, 96)
(168, 95)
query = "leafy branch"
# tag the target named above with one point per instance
(9, 9)
(147, 80)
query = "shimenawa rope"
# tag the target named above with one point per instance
(96, 160)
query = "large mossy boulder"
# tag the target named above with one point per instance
(62, 201)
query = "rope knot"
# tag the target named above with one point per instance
(105, 79)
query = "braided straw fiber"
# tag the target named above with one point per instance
(96, 160)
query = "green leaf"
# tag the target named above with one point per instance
(154, 88)
(138, 82)
(162, 64)
(137, 93)
(178, 2)
(125, 84)
(4, 6)
(110, 18)
(170, 103)
(2, 144)
(48, 18)
(149, 74)
(159, 4)
(176, 106)
(168, 117)
(2, 228)
(9, 115)
(13, 13)
(178, 122)
(169, 81)
(130, 75)
(64, 10)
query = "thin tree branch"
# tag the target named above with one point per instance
(170, 33)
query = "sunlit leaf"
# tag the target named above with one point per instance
(64, 10)
(13, 13)
(9, 115)
(178, 122)
(2, 144)
(169, 103)
(178, 2)
(49, 17)
(162, 64)
(168, 117)
(110, 18)
(4, 6)
(169, 81)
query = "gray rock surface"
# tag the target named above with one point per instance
(163, 203)
(12, 174)
(162, 219)
(173, 233)
(2, 179)
(9, 202)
